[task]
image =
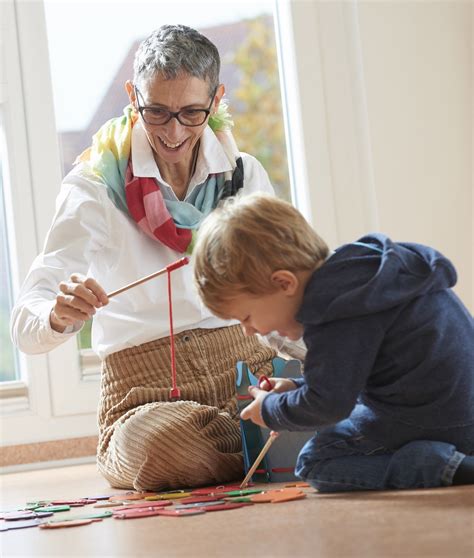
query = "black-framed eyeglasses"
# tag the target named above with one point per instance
(187, 117)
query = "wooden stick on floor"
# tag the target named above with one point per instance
(171, 267)
(261, 455)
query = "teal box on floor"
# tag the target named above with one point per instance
(279, 463)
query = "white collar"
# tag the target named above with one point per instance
(211, 158)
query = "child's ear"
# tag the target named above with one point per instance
(285, 280)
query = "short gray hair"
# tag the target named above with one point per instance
(172, 50)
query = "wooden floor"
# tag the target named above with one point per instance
(431, 523)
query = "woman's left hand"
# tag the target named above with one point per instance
(253, 411)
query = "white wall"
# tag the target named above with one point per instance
(417, 59)
(382, 101)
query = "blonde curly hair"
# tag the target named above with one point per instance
(244, 240)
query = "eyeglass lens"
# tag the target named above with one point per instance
(186, 117)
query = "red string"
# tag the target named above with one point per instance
(174, 392)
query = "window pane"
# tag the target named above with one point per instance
(84, 338)
(89, 73)
(8, 355)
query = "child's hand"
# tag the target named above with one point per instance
(253, 411)
(277, 385)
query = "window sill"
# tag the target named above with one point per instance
(90, 366)
(13, 397)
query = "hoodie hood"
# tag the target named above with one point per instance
(372, 275)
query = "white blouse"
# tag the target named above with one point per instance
(89, 235)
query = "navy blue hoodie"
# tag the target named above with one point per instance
(389, 344)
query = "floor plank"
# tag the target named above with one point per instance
(418, 523)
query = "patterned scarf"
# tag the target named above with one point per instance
(174, 223)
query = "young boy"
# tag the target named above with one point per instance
(389, 373)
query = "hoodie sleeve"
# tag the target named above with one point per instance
(340, 358)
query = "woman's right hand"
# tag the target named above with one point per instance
(77, 301)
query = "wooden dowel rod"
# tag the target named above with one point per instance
(261, 455)
(171, 267)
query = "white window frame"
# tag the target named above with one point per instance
(328, 147)
(323, 87)
(52, 400)
(333, 160)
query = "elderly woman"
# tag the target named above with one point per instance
(131, 206)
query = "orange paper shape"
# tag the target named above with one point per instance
(168, 496)
(180, 513)
(127, 496)
(199, 499)
(277, 496)
(61, 524)
(215, 490)
(142, 506)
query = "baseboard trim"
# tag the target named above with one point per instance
(48, 451)
(47, 465)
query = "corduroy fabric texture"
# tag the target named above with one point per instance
(146, 440)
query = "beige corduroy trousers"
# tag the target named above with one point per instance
(148, 441)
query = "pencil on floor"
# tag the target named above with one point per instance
(273, 436)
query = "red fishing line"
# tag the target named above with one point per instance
(175, 392)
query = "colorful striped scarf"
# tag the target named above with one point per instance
(173, 223)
